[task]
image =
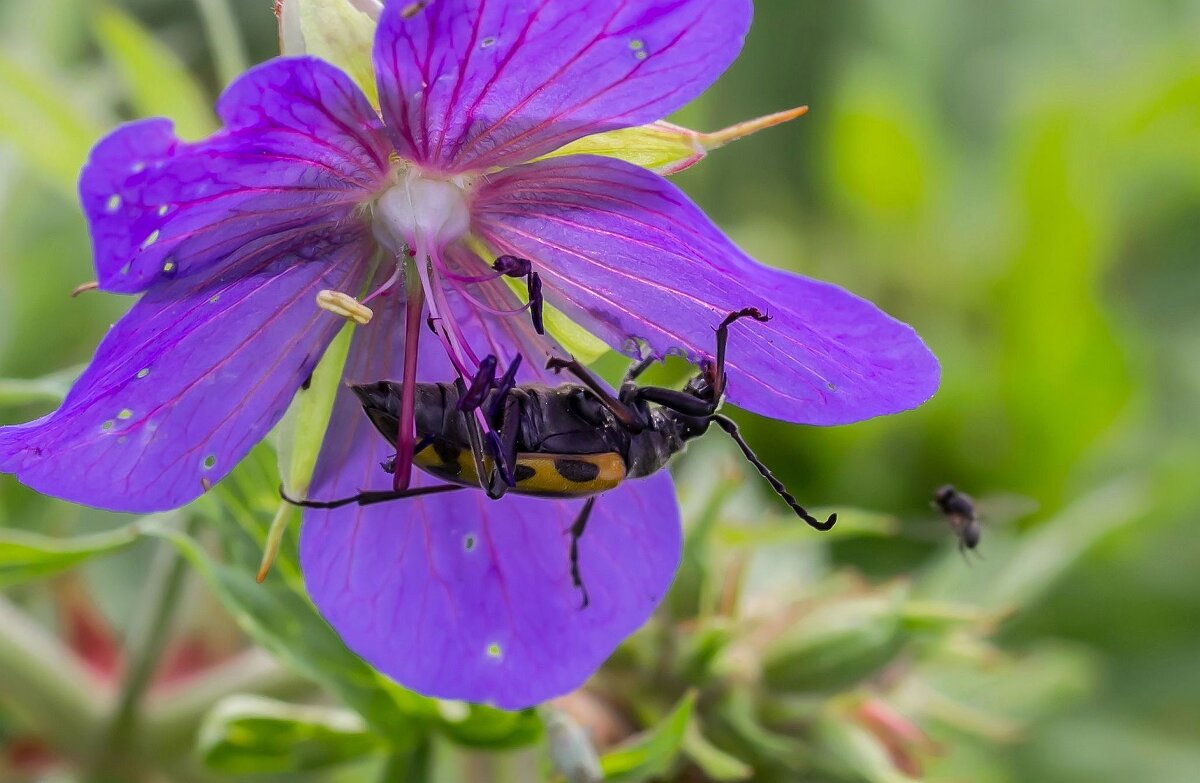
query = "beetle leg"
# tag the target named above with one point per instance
(510, 431)
(680, 402)
(629, 417)
(370, 498)
(718, 371)
(635, 370)
(577, 533)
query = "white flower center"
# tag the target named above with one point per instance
(419, 206)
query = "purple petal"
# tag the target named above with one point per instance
(472, 84)
(301, 148)
(461, 597)
(186, 383)
(628, 256)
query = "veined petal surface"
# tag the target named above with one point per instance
(627, 255)
(187, 382)
(461, 597)
(301, 148)
(472, 84)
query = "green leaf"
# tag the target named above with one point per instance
(652, 753)
(157, 82)
(25, 557)
(254, 735)
(776, 530)
(714, 762)
(477, 726)
(51, 388)
(42, 122)
(284, 622)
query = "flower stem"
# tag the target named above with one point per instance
(144, 645)
(228, 49)
(41, 681)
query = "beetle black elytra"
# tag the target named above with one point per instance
(575, 440)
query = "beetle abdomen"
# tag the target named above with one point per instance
(540, 475)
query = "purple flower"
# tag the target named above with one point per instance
(307, 190)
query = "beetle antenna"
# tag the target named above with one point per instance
(729, 426)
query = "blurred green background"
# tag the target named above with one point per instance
(1020, 181)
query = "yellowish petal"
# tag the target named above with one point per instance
(341, 32)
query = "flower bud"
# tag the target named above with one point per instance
(837, 644)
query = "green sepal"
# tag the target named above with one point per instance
(838, 644)
(299, 436)
(666, 148)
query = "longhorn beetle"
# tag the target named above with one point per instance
(575, 440)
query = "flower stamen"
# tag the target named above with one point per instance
(511, 266)
(345, 306)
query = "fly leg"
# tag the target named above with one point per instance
(370, 498)
(576, 531)
(630, 418)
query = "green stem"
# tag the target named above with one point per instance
(228, 49)
(145, 643)
(409, 766)
(45, 685)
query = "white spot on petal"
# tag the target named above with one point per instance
(150, 240)
(113, 204)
